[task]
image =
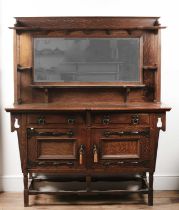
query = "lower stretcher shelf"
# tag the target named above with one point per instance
(81, 185)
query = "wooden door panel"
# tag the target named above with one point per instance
(120, 148)
(56, 147)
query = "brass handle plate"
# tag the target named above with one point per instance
(95, 154)
(71, 120)
(106, 120)
(41, 120)
(81, 153)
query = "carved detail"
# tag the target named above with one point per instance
(15, 122)
(119, 163)
(161, 121)
(51, 163)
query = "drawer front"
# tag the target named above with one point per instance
(41, 119)
(120, 147)
(56, 148)
(123, 118)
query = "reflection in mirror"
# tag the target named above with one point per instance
(86, 59)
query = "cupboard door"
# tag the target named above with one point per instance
(120, 147)
(56, 147)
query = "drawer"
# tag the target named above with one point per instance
(123, 118)
(67, 118)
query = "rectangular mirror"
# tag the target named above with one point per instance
(86, 59)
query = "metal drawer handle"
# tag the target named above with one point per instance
(41, 120)
(106, 120)
(135, 119)
(71, 121)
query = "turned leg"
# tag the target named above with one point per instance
(150, 193)
(26, 194)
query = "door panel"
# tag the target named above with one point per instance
(56, 147)
(120, 147)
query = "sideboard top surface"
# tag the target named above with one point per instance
(150, 107)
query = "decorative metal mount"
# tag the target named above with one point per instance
(145, 133)
(124, 162)
(135, 119)
(50, 163)
(32, 132)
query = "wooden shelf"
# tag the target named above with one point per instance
(87, 86)
(152, 67)
(24, 68)
(94, 188)
(54, 107)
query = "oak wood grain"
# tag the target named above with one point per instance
(88, 129)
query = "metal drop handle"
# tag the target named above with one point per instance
(95, 154)
(81, 153)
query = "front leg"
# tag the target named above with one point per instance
(26, 190)
(150, 193)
